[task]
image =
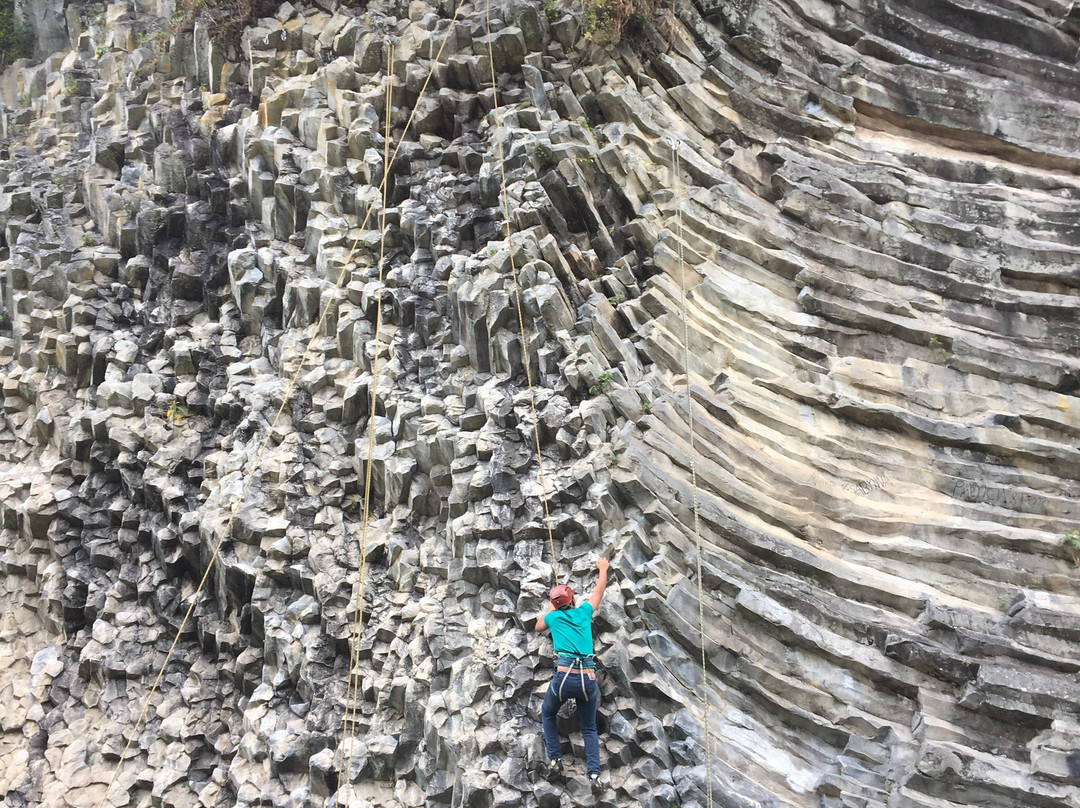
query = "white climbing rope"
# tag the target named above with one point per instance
(675, 145)
(352, 699)
(505, 198)
(269, 433)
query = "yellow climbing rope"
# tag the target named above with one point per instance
(353, 695)
(249, 477)
(694, 489)
(517, 293)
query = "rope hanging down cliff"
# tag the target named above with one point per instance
(675, 145)
(352, 698)
(505, 198)
(249, 477)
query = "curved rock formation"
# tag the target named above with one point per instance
(872, 209)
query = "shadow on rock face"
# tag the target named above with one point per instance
(1072, 760)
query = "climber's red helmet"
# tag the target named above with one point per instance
(561, 596)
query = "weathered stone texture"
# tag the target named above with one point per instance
(872, 208)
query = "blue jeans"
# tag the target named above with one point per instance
(588, 699)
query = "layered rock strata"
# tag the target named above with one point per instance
(871, 210)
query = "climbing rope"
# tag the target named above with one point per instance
(505, 197)
(694, 488)
(353, 696)
(250, 476)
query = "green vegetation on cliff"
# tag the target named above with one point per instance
(15, 38)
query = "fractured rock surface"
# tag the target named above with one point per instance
(868, 211)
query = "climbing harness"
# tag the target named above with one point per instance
(250, 476)
(675, 146)
(578, 662)
(517, 291)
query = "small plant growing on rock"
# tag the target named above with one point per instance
(616, 298)
(88, 240)
(146, 68)
(71, 85)
(100, 51)
(544, 155)
(1071, 542)
(940, 349)
(176, 413)
(603, 383)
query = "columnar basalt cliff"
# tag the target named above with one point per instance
(868, 212)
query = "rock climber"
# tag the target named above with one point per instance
(575, 671)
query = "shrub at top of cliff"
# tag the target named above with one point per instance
(607, 22)
(228, 18)
(16, 40)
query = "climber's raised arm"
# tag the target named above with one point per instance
(601, 584)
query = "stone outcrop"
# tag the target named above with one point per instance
(872, 210)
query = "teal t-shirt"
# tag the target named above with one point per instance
(571, 629)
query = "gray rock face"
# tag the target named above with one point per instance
(872, 209)
(47, 23)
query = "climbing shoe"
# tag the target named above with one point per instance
(594, 783)
(554, 768)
